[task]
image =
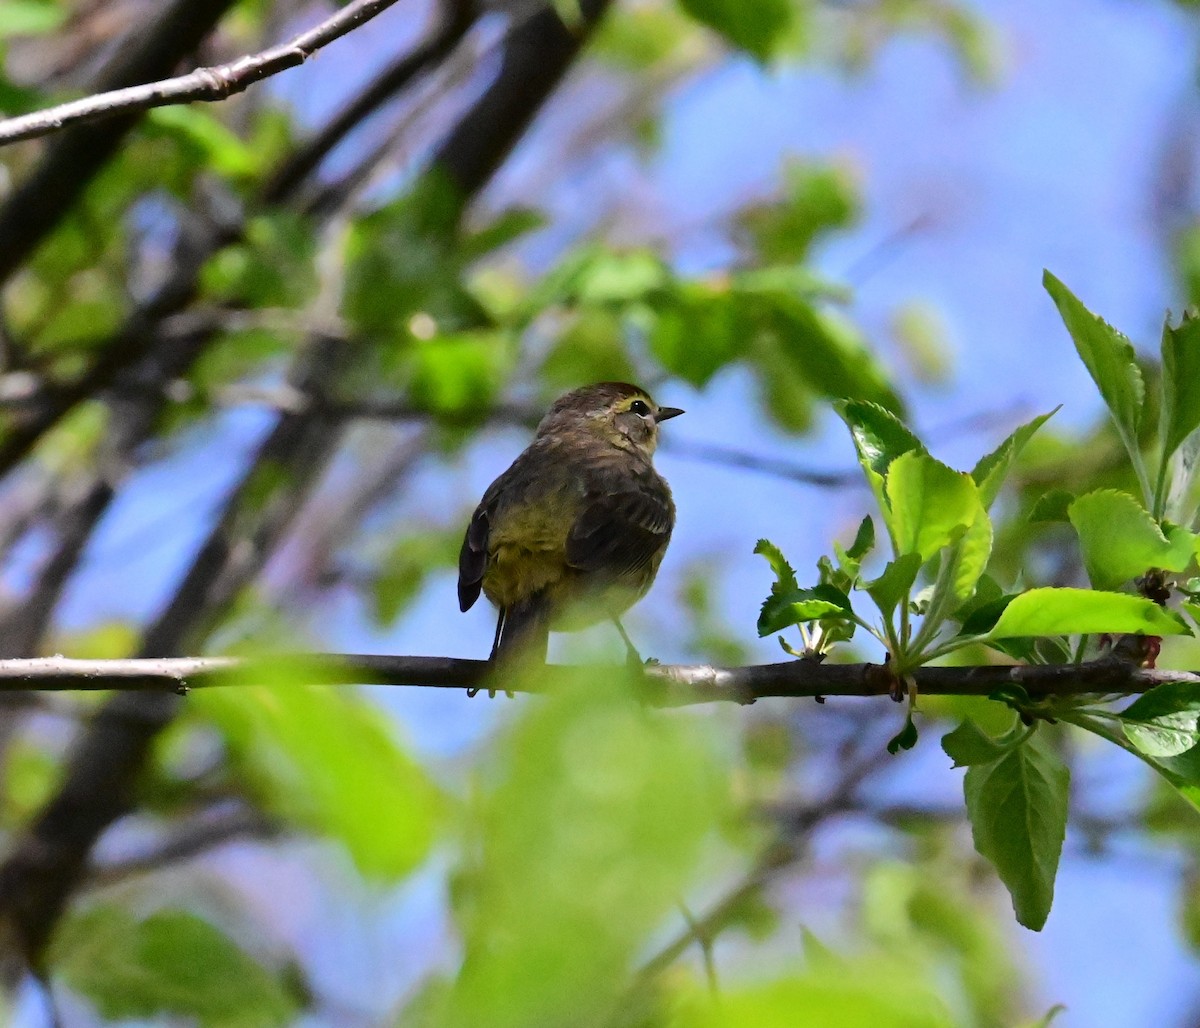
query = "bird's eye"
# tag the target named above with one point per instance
(640, 408)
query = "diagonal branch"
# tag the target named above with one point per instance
(215, 83)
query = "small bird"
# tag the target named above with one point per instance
(573, 532)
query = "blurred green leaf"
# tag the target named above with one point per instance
(590, 349)
(328, 761)
(1120, 540)
(460, 375)
(696, 331)
(1052, 505)
(1018, 811)
(815, 199)
(30, 17)
(862, 993)
(586, 831)
(172, 963)
(507, 227)
(211, 141)
(1086, 612)
(758, 28)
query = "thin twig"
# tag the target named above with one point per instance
(215, 83)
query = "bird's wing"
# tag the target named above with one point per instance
(619, 533)
(472, 558)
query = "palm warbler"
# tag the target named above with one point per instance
(573, 532)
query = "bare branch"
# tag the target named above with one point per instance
(666, 685)
(215, 83)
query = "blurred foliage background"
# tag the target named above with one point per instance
(259, 358)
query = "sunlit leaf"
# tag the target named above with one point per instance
(326, 760)
(1084, 611)
(1120, 540)
(1108, 356)
(990, 472)
(798, 606)
(757, 28)
(929, 505)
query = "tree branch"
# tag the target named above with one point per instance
(667, 685)
(38, 203)
(215, 83)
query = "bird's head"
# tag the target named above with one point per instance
(617, 412)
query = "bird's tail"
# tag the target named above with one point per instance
(523, 630)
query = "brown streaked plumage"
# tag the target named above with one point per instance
(574, 531)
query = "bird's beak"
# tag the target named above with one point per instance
(666, 413)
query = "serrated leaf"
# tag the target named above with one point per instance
(1017, 806)
(1083, 611)
(172, 963)
(879, 438)
(929, 505)
(1108, 356)
(1052, 506)
(968, 744)
(785, 576)
(990, 472)
(1180, 410)
(782, 610)
(1120, 540)
(1164, 722)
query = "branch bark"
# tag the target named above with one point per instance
(216, 83)
(666, 685)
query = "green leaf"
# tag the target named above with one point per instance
(968, 744)
(929, 505)
(594, 819)
(757, 28)
(1180, 411)
(816, 198)
(990, 472)
(170, 964)
(697, 330)
(970, 560)
(1120, 540)
(329, 762)
(1084, 611)
(509, 225)
(1164, 722)
(1052, 506)
(784, 609)
(30, 17)
(785, 577)
(879, 438)
(1017, 806)
(892, 586)
(864, 540)
(1109, 358)
(459, 376)
(906, 738)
